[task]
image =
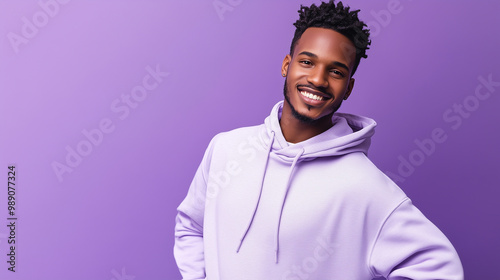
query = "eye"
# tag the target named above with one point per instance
(305, 62)
(337, 73)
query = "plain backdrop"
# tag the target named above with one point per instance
(105, 208)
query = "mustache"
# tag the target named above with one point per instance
(322, 90)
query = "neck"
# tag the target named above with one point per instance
(295, 130)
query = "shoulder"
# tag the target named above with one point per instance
(370, 183)
(236, 143)
(360, 168)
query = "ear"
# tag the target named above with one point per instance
(284, 66)
(350, 86)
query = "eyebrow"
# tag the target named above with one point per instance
(336, 63)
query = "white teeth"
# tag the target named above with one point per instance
(310, 95)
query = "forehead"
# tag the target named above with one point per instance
(327, 44)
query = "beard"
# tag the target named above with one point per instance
(301, 117)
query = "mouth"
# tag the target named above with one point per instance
(310, 95)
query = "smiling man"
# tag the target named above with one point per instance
(296, 197)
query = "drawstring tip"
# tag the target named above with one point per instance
(276, 257)
(239, 246)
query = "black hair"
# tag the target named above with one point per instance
(338, 18)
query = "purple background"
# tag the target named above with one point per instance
(113, 215)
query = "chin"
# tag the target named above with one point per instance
(304, 117)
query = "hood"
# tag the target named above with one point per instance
(349, 134)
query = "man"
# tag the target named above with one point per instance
(296, 197)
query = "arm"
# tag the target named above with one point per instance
(189, 246)
(188, 249)
(409, 246)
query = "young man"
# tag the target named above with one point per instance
(296, 197)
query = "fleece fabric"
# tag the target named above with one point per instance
(260, 208)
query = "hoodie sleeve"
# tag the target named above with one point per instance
(409, 246)
(189, 246)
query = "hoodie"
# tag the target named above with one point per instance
(262, 208)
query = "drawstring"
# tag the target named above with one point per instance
(260, 193)
(295, 160)
(283, 204)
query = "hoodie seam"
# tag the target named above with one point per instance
(379, 232)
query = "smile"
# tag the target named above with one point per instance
(311, 95)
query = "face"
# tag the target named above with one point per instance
(318, 75)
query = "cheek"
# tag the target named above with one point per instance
(339, 93)
(295, 71)
(340, 89)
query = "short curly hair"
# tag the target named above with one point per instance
(338, 18)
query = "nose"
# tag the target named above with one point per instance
(318, 77)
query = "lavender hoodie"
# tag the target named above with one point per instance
(261, 208)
